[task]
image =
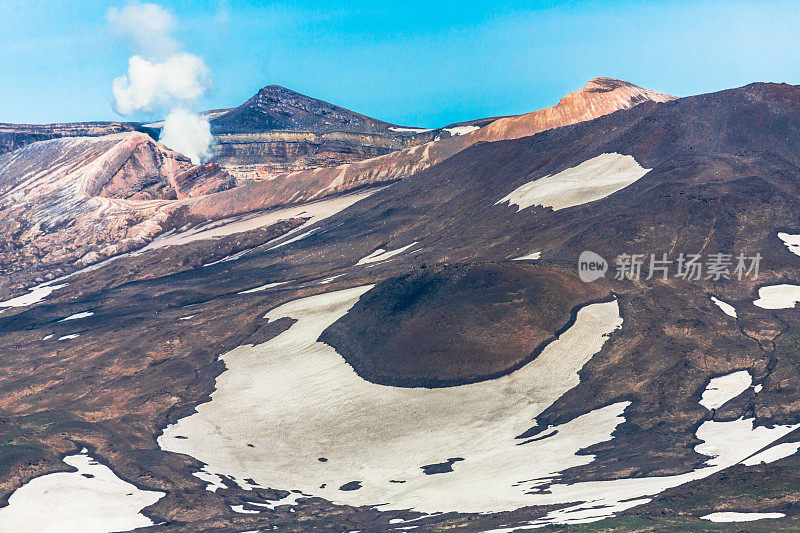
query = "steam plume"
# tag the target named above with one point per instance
(189, 134)
(160, 77)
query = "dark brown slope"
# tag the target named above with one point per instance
(460, 324)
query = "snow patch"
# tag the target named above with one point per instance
(241, 510)
(77, 316)
(36, 295)
(316, 406)
(727, 308)
(382, 255)
(778, 296)
(592, 180)
(93, 499)
(214, 481)
(264, 287)
(408, 130)
(740, 517)
(792, 242)
(461, 130)
(530, 257)
(724, 388)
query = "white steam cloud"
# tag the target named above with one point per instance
(161, 77)
(189, 134)
(148, 26)
(148, 86)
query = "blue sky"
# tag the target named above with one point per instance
(420, 63)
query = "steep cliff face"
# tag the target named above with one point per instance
(65, 198)
(601, 96)
(279, 131)
(14, 136)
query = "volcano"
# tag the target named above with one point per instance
(409, 340)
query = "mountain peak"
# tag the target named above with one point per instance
(603, 84)
(599, 97)
(276, 108)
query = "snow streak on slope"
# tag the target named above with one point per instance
(314, 211)
(93, 499)
(726, 308)
(296, 400)
(740, 517)
(773, 454)
(533, 256)
(382, 255)
(592, 180)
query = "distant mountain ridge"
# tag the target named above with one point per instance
(14, 136)
(278, 108)
(149, 187)
(601, 96)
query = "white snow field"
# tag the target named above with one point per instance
(792, 242)
(530, 257)
(382, 255)
(726, 308)
(77, 316)
(67, 502)
(740, 517)
(724, 388)
(726, 443)
(264, 287)
(779, 451)
(35, 295)
(461, 130)
(296, 400)
(778, 296)
(592, 180)
(409, 130)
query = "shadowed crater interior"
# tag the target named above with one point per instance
(458, 324)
